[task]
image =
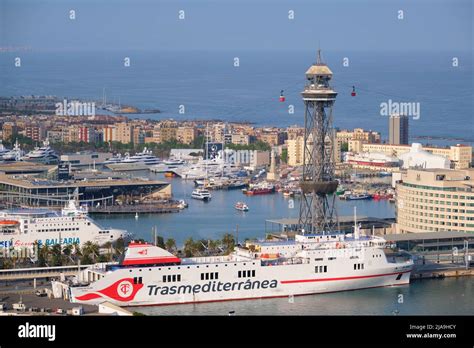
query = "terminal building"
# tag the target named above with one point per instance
(20, 190)
(85, 158)
(435, 200)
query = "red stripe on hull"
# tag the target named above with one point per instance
(260, 298)
(343, 278)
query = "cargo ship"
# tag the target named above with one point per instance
(259, 189)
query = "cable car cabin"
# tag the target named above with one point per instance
(353, 93)
(143, 255)
(282, 97)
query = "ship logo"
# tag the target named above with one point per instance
(123, 290)
(143, 252)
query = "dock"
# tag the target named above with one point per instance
(440, 271)
(159, 208)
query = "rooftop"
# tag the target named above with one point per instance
(43, 183)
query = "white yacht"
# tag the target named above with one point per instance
(44, 154)
(173, 162)
(14, 154)
(201, 194)
(140, 161)
(24, 227)
(210, 168)
(168, 165)
(3, 150)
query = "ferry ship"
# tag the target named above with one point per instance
(140, 161)
(44, 154)
(201, 194)
(309, 264)
(24, 227)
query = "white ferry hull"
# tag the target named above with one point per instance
(63, 238)
(269, 281)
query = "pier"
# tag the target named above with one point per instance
(146, 208)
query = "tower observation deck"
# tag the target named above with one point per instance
(317, 209)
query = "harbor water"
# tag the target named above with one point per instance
(448, 296)
(211, 220)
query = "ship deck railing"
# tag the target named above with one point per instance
(206, 259)
(285, 261)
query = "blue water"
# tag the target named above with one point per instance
(449, 296)
(204, 220)
(210, 87)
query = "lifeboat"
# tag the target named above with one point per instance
(269, 256)
(9, 223)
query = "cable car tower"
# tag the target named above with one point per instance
(317, 209)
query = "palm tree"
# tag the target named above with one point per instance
(119, 247)
(67, 251)
(44, 255)
(170, 244)
(56, 255)
(90, 251)
(228, 242)
(189, 247)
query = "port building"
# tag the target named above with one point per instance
(20, 190)
(432, 200)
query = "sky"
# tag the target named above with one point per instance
(365, 25)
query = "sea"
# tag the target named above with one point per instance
(209, 85)
(214, 85)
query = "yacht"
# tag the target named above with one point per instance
(169, 165)
(173, 162)
(140, 161)
(201, 194)
(14, 154)
(71, 225)
(3, 150)
(211, 168)
(114, 159)
(44, 154)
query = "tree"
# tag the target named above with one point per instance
(284, 155)
(90, 252)
(56, 255)
(67, 251)
(119, 246)
(189, 247)
(170, 244)
(228, 243)
(344, 147)
(160, 242)
(44, 255)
